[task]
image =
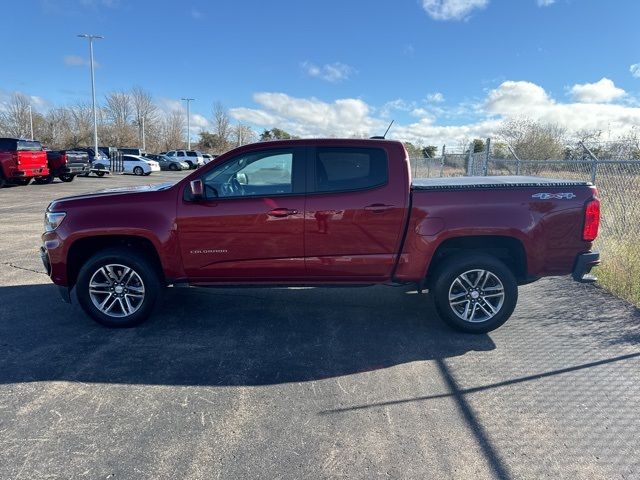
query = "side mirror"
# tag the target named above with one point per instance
(197, 189)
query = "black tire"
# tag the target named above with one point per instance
(100, 174)
(469, 300)
(67, 177)
(191, 167)
(138, 171)
(43, 180)
(173, 167)
(3, 182)
(23, 182)
(141, 266)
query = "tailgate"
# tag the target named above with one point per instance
(31, 159)
(77, 157)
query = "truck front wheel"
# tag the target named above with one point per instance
(118, 288)
(474, 293)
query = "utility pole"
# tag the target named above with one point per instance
(188, 100)
(91, 38)
(31, 121)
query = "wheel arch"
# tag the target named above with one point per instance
(84, 248)
(509, 250)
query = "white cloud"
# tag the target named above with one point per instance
(635, 70)
(545, 3)
(196, 14)
(602, 91)
(100, 3)
(514, 98)
(330, 72)
(346, 117)
(309, 116)
(78, 61)
(436, 97)
(452, 9)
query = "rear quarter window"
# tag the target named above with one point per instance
(29, 146)
(344, 169)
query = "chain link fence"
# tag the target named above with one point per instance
(616, 177)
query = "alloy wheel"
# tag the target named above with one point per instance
(476, 296)
(116, 290)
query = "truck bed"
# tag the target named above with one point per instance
(506, 181)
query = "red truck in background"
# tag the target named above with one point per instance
(65, 164)
(322, 213)
(21, 161)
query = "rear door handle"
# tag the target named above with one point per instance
(281, 212)
(378, 208)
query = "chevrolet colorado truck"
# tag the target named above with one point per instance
(21, 161)
(321, 213)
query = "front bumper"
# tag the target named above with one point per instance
(64, 291)
(44, 256)
(584, 263)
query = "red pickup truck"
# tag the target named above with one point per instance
(322, 213)
(21, 161)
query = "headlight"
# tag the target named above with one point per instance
(52, 220)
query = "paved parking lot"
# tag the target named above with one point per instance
(315, 383)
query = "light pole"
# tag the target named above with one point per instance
(188, 100)
(31, 121)
(140, 124)
(91, 38)
(144, 147)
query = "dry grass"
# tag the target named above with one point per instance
(620, 269)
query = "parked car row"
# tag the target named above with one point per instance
(135, 164)
(22, 161)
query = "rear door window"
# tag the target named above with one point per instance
(343, 169)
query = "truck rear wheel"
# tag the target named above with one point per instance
(67, 177)
(43, 180)
(117, 288)
(22, 181)
(475, 293)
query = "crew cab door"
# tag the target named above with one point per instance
(249, 226)
(355, 214)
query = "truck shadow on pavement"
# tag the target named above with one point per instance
(225, 337)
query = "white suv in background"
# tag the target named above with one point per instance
(192, 157)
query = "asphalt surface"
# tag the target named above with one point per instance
(307, 383)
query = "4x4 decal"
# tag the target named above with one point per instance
(558, 196)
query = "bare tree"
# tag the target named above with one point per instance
(120, 114)
(173, 127)
(243, 134)
(221, 125)
(15, 118)
(144, 110)
(533, 140)
(80, 121)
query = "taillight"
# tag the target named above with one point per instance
(591, 220)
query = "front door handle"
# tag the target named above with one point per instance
(282, 212)
(378, 208)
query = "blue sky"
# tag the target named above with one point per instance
(444, 69)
